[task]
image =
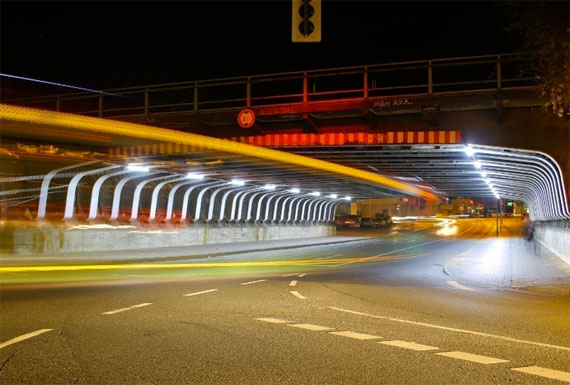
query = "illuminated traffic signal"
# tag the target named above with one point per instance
(306, 21)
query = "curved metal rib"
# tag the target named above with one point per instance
(44, 189)
(70, 199)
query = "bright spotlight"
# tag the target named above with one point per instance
(237, 182)
(193, 175)
(269, 187)
(477, 164)
(294, 191)
(333, 196)
(483, 174)
(468, 150)
(347, 198)
(137, 167)
(315, 194)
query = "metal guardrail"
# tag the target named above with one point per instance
(412, 78)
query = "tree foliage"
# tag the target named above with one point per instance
(545, 28)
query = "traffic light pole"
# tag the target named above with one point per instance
(497, 217)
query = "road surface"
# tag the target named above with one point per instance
(417, 304)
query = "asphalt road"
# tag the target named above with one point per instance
(416, 305)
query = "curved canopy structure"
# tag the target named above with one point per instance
(354, 169)
(531, 176)
(464, 171)
(80, 125)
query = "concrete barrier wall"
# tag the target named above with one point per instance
(59, 240)
(555, 238)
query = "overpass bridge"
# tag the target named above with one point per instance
(447, 127)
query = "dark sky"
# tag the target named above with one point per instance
(114, 44)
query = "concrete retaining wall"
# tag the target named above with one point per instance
(555, 239)
(59, 240)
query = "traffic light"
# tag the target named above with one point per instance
(306, 21)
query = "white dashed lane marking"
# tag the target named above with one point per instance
(545, 372)
(302, 275)
(117, 311)
(558, 347)
(273, 320)
(293, 283)
(485, 360)
(312, 327)
(408, 345)
(127, 308)
(23, 337)
(290, 275)
(472, 357)
(358, 336)
(296, 294)
(200, 292)
(459, 286)
(252, 282)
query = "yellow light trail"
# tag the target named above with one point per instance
(163, 266)
(86, 123)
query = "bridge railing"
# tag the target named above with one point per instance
(488, 73)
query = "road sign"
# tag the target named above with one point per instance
(246, 118)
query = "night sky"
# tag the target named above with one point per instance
(103, 45)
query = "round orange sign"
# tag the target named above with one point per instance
(246, 118)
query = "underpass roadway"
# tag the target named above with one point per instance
(418, 303)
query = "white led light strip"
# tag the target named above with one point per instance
(532, 176)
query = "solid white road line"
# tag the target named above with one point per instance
(23, 337)
(310, 327)
(545, 372)
(388, 253)
(302, 275)
(408, 345)
(273, 320)
(357, 312)
(127, 308)
(200, 292)
(405, 248)
(472, 357)
(330, 256)
(293, 283)
(459, 286)
(456, 330)
(296, 294)
(249, 283)
(358, 336)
